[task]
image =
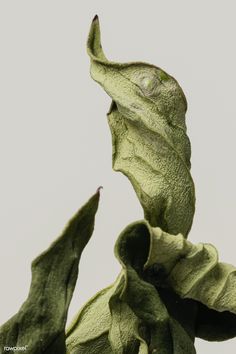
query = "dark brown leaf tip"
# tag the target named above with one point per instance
(98, 189)
(95, 18)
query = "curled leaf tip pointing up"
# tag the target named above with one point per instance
(40, 323)
(150, 143)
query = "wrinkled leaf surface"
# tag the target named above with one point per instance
(40, 322)
(150, 144)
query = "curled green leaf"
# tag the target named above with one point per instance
(197, 290)
(148, 308)
(194, 271)
(150, 144)
(168, 321)
(132, 316)
(40, 323)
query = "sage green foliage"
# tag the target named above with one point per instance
(89, 330)
(194, 271)
(147, 309)
(40, 322)
(150, 144)
(169, 291)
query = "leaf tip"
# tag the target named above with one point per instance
(95, 18)
(98, 189)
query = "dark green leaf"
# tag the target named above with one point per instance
(40, 322)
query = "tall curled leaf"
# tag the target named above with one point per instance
(169, 291)
(40, 323)
(150, 144)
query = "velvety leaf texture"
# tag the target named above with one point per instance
(194, 270)
(40, 323)
(130, 316)
(150, 144)
(148, 310)
(189, 276)
(89, 329)
(169, 291)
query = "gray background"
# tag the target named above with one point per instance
(55, 144)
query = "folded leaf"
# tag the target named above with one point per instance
(132, 316)
(123, 332)
(193, 271)
(40, 322)
(168, 331)
(106, 324)
(148, 309)
(197, 290)
(150, 144)
(213, 325)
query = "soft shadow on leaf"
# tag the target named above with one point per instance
(197, 290)
(40, 322)
(150, 143)
(193, 271)
(169, 291)
(147, 308)
(168, 330)
(130, 315)
(105, 324)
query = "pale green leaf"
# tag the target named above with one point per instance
(194, 271)
(105, 324)
(150, 144)
(88, 332)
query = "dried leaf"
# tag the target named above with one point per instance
(131, 316)
(40, 322)
(148, 308)
(105, 324)
(155, 305)
(197, 290)
(88, 332)
(168, 332)
(194, 271)
(150, 144)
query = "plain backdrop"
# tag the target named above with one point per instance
(55, 144)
